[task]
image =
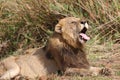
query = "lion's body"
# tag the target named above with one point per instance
(65, 49)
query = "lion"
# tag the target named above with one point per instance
(64, 52)
(67, 47)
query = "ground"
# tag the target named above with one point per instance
(106, 56)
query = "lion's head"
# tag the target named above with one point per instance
(73, 30)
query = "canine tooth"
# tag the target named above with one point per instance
(86, 25)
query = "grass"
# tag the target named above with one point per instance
(118, 73)
(91, 78)
(83, 78)
(26, 23)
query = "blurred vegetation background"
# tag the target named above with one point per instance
(29, 23)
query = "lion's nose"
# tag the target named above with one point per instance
(83, 22)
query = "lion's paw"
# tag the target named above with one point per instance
(106, 71)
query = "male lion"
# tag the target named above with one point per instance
(65, 49)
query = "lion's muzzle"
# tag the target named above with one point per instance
(82, 35)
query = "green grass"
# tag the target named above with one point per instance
(117, 73)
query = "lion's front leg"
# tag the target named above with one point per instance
(77, 71)
(92, 71)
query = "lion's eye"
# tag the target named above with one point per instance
(74, 22)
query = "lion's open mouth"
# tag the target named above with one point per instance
(83, 36)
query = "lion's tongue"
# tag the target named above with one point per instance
(84, 36)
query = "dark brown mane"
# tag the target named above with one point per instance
(73, 57)
(68, 55)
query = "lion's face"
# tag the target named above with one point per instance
(73, 30)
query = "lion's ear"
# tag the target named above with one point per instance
(58, 28)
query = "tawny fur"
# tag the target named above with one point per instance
(31, 65)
